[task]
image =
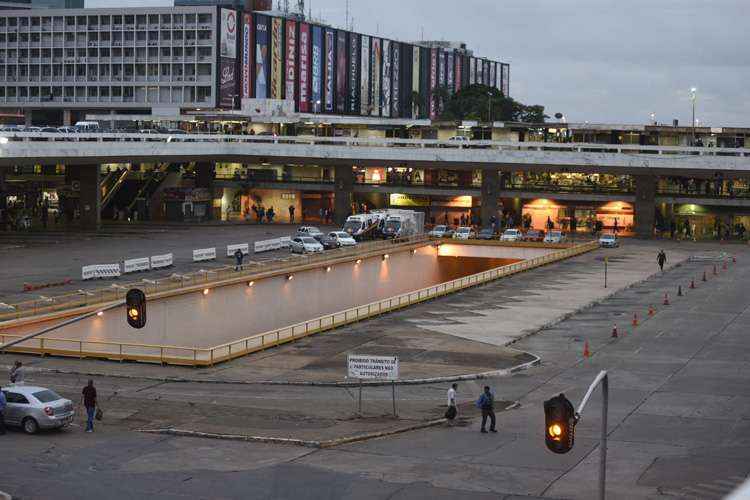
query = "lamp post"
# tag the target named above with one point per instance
(693, 93)
(489, 107)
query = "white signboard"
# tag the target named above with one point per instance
(228, 41)
(244, 247)
(135, 265)
(361, 366)
(204, 254)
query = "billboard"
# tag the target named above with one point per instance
(262, 57)
(375, 66)
(247, 56)
(441, 68)
(228, 40)
(458, 75)
(493, 74)
(480, 71)
(354, 57)
(472, 71)
(450, 77)
(364, 88)
(304, 68)
(506, 79)
(396, 85)
(276, 62)
(433, 82)
(387, 78)
(341, 72)
(330, 69)
(227, 83)
(317, 69)
(290, 68)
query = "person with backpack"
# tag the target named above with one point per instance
(452, 410)
(486, 403)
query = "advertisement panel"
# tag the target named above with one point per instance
(364, 88)
(262, 57)
(387, 78)
(317, 69)
(276, 63)
(247, 55)
(341, 72)
(506, 80)
(459, 71)
(304, 68)
(450, 79)
(376, 66)
(354, 57)
(415, 66)
(472, 71)
(227, 83)
(480, 71)
(396, 85)
(441, 68)
(433, 82)
(493, 74)
(228, 40)
(291, 60)
(330, 69)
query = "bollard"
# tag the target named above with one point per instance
(666, 299)
(586, 352)
(651, 310)
(679, 290)
(635, 319)
(614, 331)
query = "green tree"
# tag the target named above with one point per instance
(483, 103)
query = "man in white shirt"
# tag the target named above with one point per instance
(452, 410)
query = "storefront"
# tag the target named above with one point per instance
(187, 204)
(611, 214)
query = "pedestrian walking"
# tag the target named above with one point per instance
(17, 373)
(3, 404)
(238, 256)
(291, 214)
(88, 397)
(486, 403)
(661, 258)
(452, 410)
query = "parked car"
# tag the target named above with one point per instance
(305, 244)
(457, 141)
(441, 231)
(486, 234)
(310, 231)
(343, 238)
(534, 235)
(33, 408)
(329, 243)
(464, 233)
(66, 130)
(555, 236)
(609, 240)
(511, 235)
(49, 130)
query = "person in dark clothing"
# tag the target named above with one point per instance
(661, 258)
(238, 257)
(487, 404)
(291, 214)
(88, 397)
(3, 404)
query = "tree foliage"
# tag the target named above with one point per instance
(474, 103)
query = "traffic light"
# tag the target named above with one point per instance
(135, 308)
(560, 422)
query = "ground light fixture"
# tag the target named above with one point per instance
(386, 257)
(359, 261)
(250, 284)
(414, 251)
(289, 277)
(328, 269)
(100, 313)
(205, 291)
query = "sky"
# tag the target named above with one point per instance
(600, 61)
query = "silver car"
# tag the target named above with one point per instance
(33, 408)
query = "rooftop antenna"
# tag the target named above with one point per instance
(301, 7)
(286, 6)
(347, 15)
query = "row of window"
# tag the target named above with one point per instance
(72, 56)
(139, 21)
(126, 93)
(201, 36)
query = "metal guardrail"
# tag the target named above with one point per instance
(193, 356)
(175, 282)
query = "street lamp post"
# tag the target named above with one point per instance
(693, 92)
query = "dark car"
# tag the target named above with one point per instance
(486, 234)
(533, 235)
(329, 243)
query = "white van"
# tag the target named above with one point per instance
(84, 127)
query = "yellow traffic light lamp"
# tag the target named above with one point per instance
(135, 307)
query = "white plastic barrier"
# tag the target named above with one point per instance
(135, 265)
(244, 247)
(263, 246)
(100, 271)
(160, 261)
(204, 254)
(285, 241)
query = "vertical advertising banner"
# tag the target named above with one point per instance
(506, 79)
(227, 82)
(247, 55)
(459, 71)
(450, 78)
(441, 68)
(387, 78)
(228, 41)
(262, 57)
(354, 57)
(375, 81)
(364, 69)
(317, 69)
(341, 72)
(433, 82)
(291, 60)
(480, 71)
(276, 62)
(415, 65)
(228, 78)
(330, 69)
(472, 71)
(304, 68)
(493, 74)
(396, 85)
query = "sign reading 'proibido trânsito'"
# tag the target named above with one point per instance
(373, 367)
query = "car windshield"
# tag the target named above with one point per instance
(309, 241)
(341, 234)
(608, 237)
(439, 228)
(555, 234)
(463, 230)
(533, 233)
(486, 231)
(46, 396)
(352, 225)
(511, 231)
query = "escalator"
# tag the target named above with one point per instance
(111, 186)
(140, 202)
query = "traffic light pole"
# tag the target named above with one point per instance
(602, 379)
(61, 325)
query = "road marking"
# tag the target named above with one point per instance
(660, 334)
(720, 489)
(701, 492)
(637, 350)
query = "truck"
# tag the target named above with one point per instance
(363, 226)
(402, 223)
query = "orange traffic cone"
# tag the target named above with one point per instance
(692, 284)
(666, 299)
(679, 290)
(651, 310)
(614, 331)
(635, 319)
(586, 352)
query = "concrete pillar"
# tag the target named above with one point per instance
(344, 186)
(3, 195)
(205, 176)
(67, 118)
(90, 202)
(645, 209)
(27, 118)
(490, 195)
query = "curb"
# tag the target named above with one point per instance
(294, 442)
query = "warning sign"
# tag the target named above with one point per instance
(373, 367)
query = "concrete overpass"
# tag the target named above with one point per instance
(642, 162)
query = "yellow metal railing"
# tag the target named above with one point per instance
(195, 356)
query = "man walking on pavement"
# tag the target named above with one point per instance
(89, 402)
(3, 404)
(17, 373)
(291, 214)
(487, 404)
(661, 259)
(452, 410)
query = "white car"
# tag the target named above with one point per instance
(609, 240)
(33, 408)
(555, 237)
(441, 231)
(458, 141)
(305, 244)
(344, 239)
(311, 231)
(511, 235)
(464, 233)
